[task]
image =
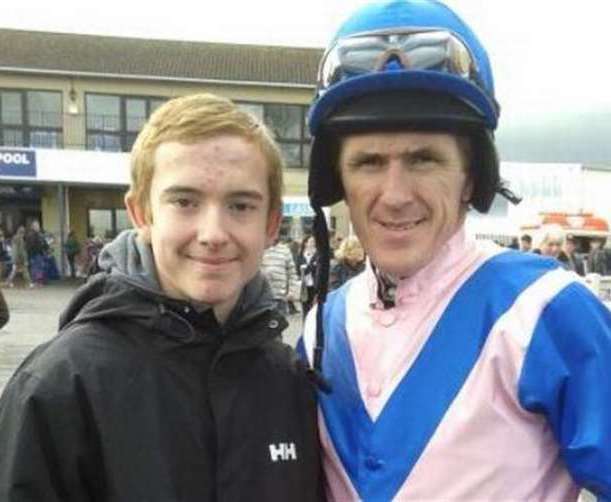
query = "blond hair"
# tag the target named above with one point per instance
(551, 233)
(189, 119)
(350, 247)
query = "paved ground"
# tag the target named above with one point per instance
(34, 314)
(34, 318)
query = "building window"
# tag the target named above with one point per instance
(107, 223)
(288, 124)
(31, 118)
(254, 108)
(113, 122)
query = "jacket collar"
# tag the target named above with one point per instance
(386, 292)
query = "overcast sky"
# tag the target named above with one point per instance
(549, 56)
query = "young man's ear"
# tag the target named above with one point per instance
(137, 215)
(273, 227)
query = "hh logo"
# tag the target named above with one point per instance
(283, 451)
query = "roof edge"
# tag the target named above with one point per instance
(119, 76)
(137, 38)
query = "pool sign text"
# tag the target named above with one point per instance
(18, 163)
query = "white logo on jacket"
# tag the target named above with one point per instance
(283, 452)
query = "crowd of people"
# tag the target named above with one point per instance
(28, 256)
(290, 267)
(555, 243)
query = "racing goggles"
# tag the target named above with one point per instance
(409, 49)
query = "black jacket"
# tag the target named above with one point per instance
(4, 313)
(342, 272)
(597, 262)
(35, 243)
(144, 399)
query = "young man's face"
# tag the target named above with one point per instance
(407, 193)
(210, 219)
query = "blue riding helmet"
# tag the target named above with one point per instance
(404, 64)
(399, 65)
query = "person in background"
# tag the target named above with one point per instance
(37, 248)
(51, 270)
(5, 256)
(551, 241)
(350, 261)
(168, 380)
(569, 258)
(597, 257)
(458, 370)
(335, 239)
(526, 243)
(278, 266)
(307, 261)
(72, 248)
(4, 312)
(20, 259)
(93, 247)
(294, 246)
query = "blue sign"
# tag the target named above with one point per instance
(18, 163)
(297, 209)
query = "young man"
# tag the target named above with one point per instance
(458, 371)
(168, 381)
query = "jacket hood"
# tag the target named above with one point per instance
(130, 257)
(128, 288)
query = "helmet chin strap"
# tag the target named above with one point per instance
(321, 236)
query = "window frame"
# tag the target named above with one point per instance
(303, 142)
(25, 128)
(124, 136)
(113, 221)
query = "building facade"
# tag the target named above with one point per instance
(545, 187)
(72, 105)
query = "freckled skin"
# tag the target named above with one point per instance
(211, 220)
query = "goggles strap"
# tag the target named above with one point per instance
(511, 196)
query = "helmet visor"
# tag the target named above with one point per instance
(402, 49)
